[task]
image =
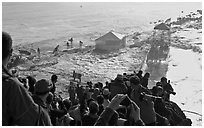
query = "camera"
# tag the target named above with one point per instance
(171, 92)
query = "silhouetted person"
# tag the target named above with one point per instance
(71, 40)
(31, 83)
(145, 79)
(41, 92)
(139, 74)
(167, 88)
(18, 107)
(56, 49)
(53, 80)
(90, 118)
(67, 44)
(38, 52)
(117, 86)
(80, 44)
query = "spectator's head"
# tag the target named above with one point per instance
(134, 81)
(160, 90)
(125, 78)
(54, 78)
(96, 91)
(158, 84)
(119, 77)
(89, 83)
(147, 75)
(163, 80)
(106, 93)
(93, 107)
(42, 87)
(100, 99)
(89, 101)
(67, 103)
(31, 83)
(140, 72)
(100, 85)
(6, 48)
(96, 85)
(107, 83)
(155, 90)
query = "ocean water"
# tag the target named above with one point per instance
(34, 22)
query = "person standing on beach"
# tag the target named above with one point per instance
(38, 51)
(80, 44)
(18, 107)
(67, 44)
(55, 51)
(71, 40)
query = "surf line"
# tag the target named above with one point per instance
(192, 112)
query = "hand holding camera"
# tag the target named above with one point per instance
(115, 102)
(171, 92)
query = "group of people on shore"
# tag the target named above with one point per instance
(124, 101)
(69, 44)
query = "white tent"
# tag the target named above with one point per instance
(110, 41)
